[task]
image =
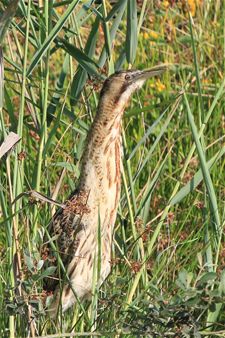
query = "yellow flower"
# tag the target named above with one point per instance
(145, 35)
(159, 86)
(206, 81)
(165, 4)
(153, 35)
(60, 9)
(192, 7)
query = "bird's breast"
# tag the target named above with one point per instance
(101, 179)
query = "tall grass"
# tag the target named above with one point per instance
(167, 274)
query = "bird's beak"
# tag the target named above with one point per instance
(147, 73)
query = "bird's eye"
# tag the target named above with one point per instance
(127, 77)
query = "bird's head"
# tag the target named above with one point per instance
(119, 87)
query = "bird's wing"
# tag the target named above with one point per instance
(63, 229)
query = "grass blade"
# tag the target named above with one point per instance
(201, 116)
(146, 135)
(205, 171)
(196, 180)
(131, 34)
(151, 184)
(65, 67)
(81, 75)
(4, 24)
(162, 131)
(59, 87)
(85, 62)
(106, 31)
(7, 17)
(52, 35)
(117, 21)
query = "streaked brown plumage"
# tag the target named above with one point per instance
(94, 203)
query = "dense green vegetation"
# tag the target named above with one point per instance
(168, 262)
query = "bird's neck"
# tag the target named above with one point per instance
(103, 145)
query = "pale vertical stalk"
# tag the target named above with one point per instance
(96, 278)
(133, 198)
(17, 178)
(207, 237)
(131, 214)
(2, 199)
(29, 93)
(18, 170)
(43, 137)
(108, 40)
(139, 243)
(9, 237)
(141, 17)
(131, 181)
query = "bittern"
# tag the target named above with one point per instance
(75, 228)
